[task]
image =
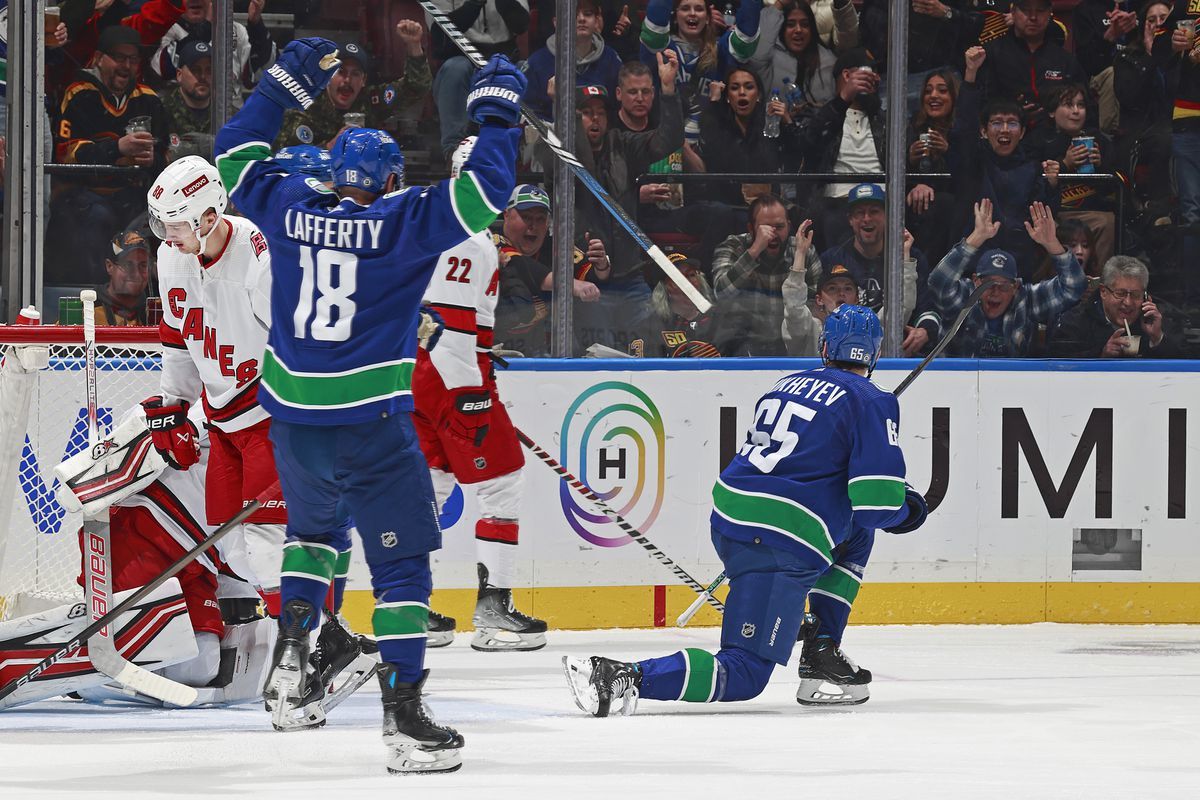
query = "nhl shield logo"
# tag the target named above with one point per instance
(388, 539)
(748, 630)
(480, 462)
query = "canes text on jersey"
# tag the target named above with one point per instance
(193, 328)
(343, 233)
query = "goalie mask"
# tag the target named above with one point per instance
(183, 193)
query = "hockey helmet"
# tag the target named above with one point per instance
(852, 335)
(305, 159)
(461, 153)
(364, 158)
(182, 194)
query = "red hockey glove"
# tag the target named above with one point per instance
(469, 418)
(173, 434)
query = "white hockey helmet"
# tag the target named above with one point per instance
(461, 154)
(182, 193)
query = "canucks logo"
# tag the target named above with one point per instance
(613, 439)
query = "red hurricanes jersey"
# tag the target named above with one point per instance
(214, 325)
(464, 290)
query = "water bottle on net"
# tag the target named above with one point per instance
(771, 128)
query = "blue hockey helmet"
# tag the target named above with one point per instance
(852, 335)
(306, 159)
(364, 158)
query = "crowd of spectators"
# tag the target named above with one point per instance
(1053, 149)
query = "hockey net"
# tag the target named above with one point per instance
(43, 420)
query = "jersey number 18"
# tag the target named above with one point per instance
(329, 296)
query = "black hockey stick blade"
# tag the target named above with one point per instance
(141, 594)
(972, 301)
(567, 157)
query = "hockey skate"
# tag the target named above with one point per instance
(293, 692)
(342, 661)
(827, 675)
(441, 630)
(499, 626)
(416, 744)
(597, 683)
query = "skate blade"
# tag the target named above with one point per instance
(495, 640)
(360, 670)
(415, 760)
(579, 680)
(817, 692)
(282, 699)
(439, 638)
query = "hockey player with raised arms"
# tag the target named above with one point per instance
(350, 266)
(822, 458)
(466, 434)
(214, 273)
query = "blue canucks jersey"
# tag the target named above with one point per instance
(821, 455)
(347, 279)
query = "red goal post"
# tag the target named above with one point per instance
(43, 420)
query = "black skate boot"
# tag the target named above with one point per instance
(827, 675)
(495, 615)
(342, 662)
(293, 691)
(441, 630)
(415, 742)
(598, 683)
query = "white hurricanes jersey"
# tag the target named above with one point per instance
(464, 290)
(214, 326)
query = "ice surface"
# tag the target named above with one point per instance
(1015, 712)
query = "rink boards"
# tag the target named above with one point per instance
(1059, 492)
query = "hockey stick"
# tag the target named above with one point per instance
(972, 301)
(639, 537)
(97, 562)
(141, 594)
(567, 157)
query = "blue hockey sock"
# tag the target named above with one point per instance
(339, 580)
(831, 600)
(698, 676)
(399, 625)
(307, 570)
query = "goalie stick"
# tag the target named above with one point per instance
(97, 561)
(141, 594)
(972, 301)
(639, 537)
(567, 157)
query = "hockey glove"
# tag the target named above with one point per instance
(496, 93)
(469, 419)
(429, 327)
(917, 512)
(173, 434)
(301, 73)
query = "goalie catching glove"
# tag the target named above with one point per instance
(173, 434)
(918, 510)
(301, 73)
(496, 93)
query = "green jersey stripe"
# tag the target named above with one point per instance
(400, 620)
(470, 204)
(700, 676)
(773, 513)
(307, 560)
(233, 164)
(336, 391)
(343, 565)
(876, 492)
(840, 584)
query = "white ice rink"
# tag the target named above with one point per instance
(1016, 712)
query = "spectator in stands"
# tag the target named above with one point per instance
(1091, 203)
(837, 24)
(847, 134)
(932, 214)
(993, 164)
(191, 144)
(1180, 54)
(748, 274)
(1004, 323)
(1080, 240)
(348, 93)
(620, 30)
(1098, 29)
(252, 50)
(597, 64)
(1122, 320)
(187, 102)
(802, 326)
(732, 140)
(122, 299)
(676, 328)
(789, 50)
(863, 255)
(493, 27)
(937, 32)
(706, 54)
(526, 278)
(1145, 112)
(1025, 64)
(107, 118)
